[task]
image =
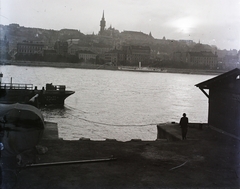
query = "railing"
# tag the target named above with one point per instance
(16, 86)
(30, 86)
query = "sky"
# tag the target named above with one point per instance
(213, 22)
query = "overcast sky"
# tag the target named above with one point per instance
(214, 22)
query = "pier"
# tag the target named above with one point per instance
(165, 131)
(172, 131)
(50, 131)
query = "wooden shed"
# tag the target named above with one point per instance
(224, 101)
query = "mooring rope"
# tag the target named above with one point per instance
(116, 125)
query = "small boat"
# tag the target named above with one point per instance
(27, 94)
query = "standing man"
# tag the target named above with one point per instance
(184, 125)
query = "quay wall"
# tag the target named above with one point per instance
(58, 64)
(108, 67)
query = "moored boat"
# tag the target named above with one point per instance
(27, 94)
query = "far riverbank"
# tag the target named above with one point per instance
(109, 67)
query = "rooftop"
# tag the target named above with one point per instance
(219, 80)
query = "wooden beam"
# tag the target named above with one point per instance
(207, 95)
(71, 162)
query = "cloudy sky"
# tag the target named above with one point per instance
(214, 22)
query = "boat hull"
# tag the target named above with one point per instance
(53, 97)
(44, 97)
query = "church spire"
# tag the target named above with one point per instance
(150, 34)
(103, 16)
(102, 24)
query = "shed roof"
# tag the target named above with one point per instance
(224, 78)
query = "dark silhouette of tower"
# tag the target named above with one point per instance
(102, 24)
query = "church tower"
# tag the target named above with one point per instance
(102, 24)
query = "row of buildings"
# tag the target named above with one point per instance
(208, 59)
(129, 55)
(202, 58)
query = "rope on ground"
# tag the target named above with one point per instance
(178, 166)
(116, 125)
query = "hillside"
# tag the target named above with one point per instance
(16, 33)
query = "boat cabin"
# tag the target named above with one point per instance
(50, 86)
(224, 101)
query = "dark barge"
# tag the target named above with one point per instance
(27, 94)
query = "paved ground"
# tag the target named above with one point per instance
(209, 159)
(172, 131)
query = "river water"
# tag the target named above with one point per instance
(118, 105)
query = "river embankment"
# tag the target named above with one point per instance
(58, 65)
(110, 67)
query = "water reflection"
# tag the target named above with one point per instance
(116, 98)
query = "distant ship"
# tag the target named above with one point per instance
(27, 94)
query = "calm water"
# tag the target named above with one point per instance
(116, 104)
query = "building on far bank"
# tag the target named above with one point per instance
(130, 55)
(135, 54)
(100, 48)
(188, 42)
(179, 57)
(73, 41)
(202, 58)
(231, 61)
(30, 47)
(73, 48)
(4, 48)
(61, 47)
(87, 55)
(136, 36)
(199, 59)
(117, 57)
(30, 50)
(49, 52)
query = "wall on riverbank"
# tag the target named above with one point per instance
(58, 64)
(108, 67)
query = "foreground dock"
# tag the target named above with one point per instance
(172, 131)
(207, 159)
